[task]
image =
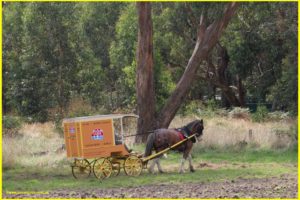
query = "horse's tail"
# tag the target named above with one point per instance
(149, 144)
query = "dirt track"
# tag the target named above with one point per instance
(279, 187)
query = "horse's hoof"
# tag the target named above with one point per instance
(150, 171)
(161, 172)
(192, 170)
(181, 172)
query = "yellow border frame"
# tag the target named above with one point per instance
(140, 1)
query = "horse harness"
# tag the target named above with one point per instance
(184, 132)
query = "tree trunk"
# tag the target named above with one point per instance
(60, 83)
(206, 40)
(222, 80)
(144, 74)
(217, 76)
(241, 91)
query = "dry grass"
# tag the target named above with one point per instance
(38, 143)
(34, 130)
(222, 132)
(36, 146)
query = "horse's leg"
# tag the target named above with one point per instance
(181, 170)
(157, 160)
(190, 163)
(186, 155)
(151, 168)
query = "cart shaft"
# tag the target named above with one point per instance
(167, 149)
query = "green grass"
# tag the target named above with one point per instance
(264, 163)
(243, 156)
(248, 155)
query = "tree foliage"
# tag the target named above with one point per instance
(55, 52)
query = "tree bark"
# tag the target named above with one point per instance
(206, 40)
(144, 74)
(241, 91)
(61, 100)
(217, 76)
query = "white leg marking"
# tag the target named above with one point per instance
(158, 165)
(151, 168)
(182, 165)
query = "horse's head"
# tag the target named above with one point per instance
(196, 127)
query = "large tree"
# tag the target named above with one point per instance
(207, 37)
(145, 81)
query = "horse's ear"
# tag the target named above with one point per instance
(201, 121)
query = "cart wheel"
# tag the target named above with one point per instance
(133, 166)
(81, 168)
(116, 169)
(102, 168)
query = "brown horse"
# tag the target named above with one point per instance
(161, 139)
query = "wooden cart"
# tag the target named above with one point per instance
(91, 142)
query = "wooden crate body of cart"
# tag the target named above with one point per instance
(93, 137)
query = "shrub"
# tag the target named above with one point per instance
(79, 107)
(11, 122)
(212, 105)
(192, 108)
(58, 124)
(210, 109)
(240, 113)
(278, 115)
(11, 125)
(260, 115)
(222, 112)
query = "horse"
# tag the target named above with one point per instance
(161, 139)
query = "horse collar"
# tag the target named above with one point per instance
(187, 131)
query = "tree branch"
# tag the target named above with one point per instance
(206, 40)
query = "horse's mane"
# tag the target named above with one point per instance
(193, 123)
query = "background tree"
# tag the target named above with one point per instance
(100, 27)
(258, 42)
(12, 43)
(206, 39)
(89, 54)
(50, 58)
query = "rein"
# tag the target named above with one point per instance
(138, 134)
(184, 128)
